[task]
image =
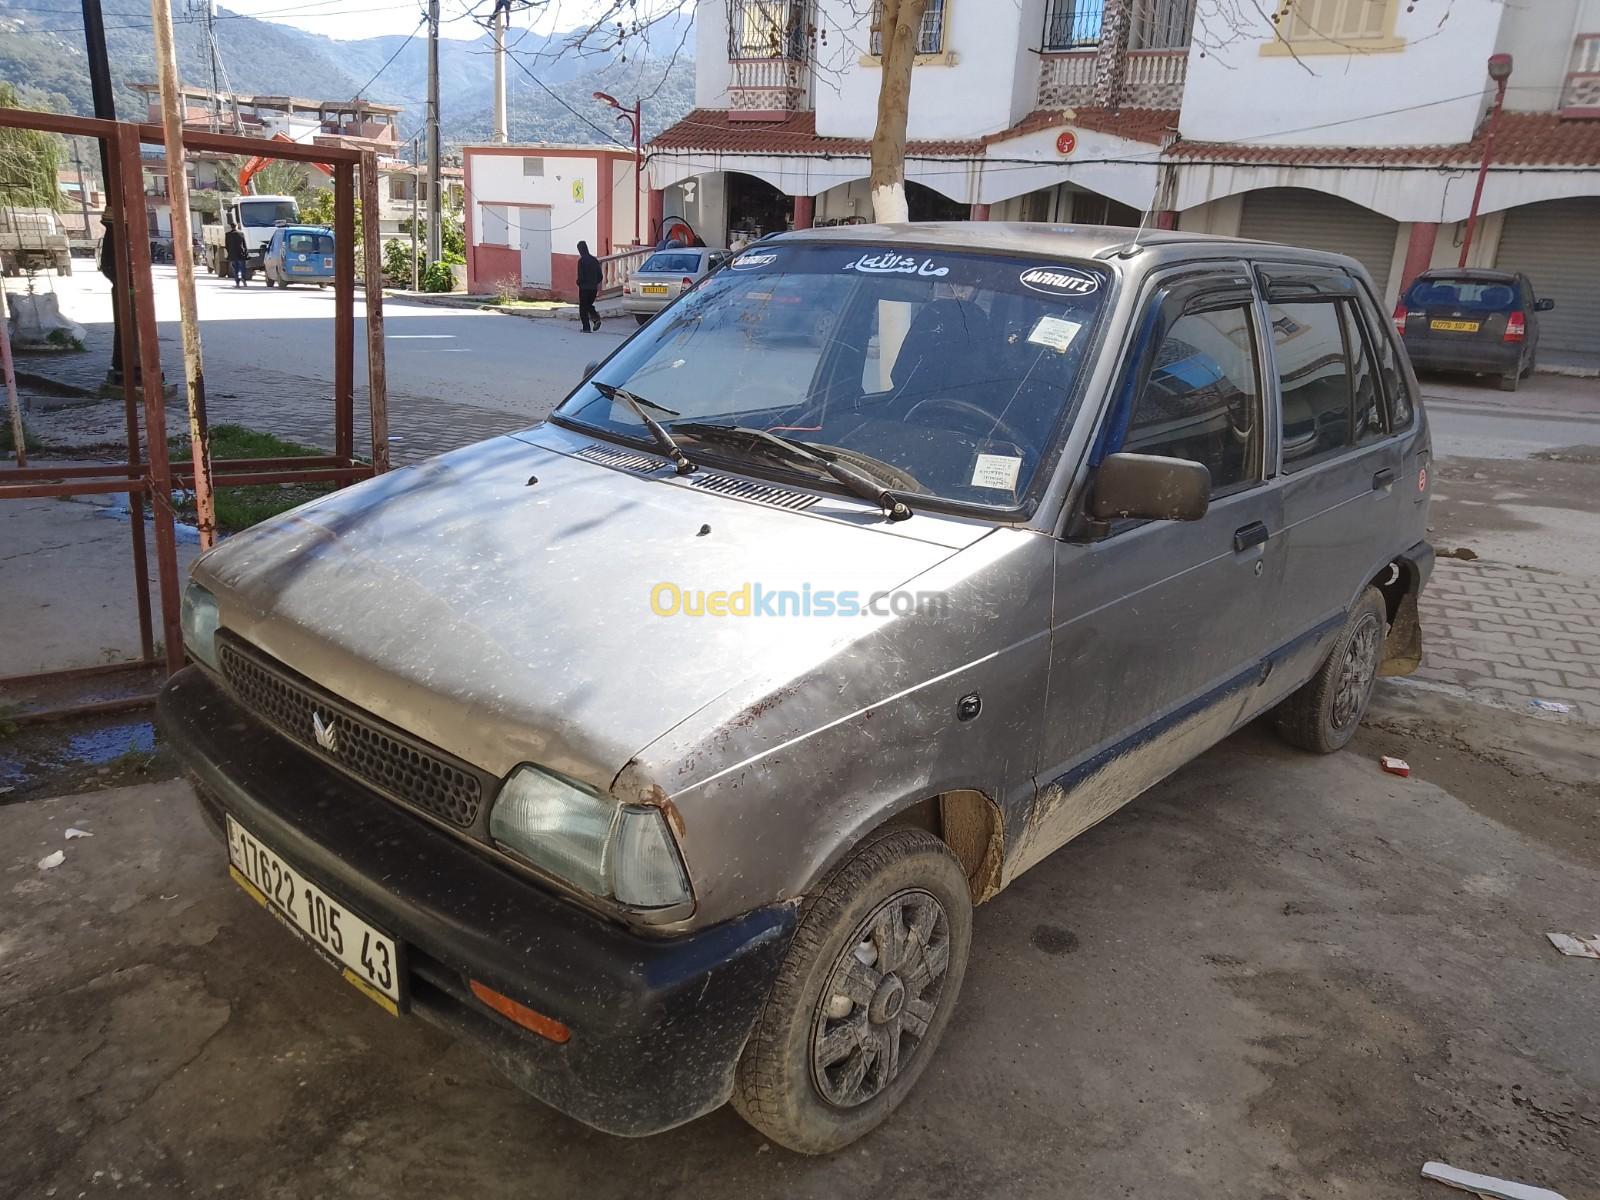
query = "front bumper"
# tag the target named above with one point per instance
(657, 1024)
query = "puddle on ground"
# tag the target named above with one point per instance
(63, 757)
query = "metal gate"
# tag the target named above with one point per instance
(1556, 244)
(1298, 217)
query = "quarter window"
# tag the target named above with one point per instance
(1368, 416)
(1201, 401)
(1316, 380)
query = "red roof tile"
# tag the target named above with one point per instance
(1523, 139)
(710, 129)
(1137, 124)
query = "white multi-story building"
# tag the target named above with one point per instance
(1355, 125)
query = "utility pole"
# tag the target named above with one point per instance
(105, 108)
(501, 8)
(1500, 72)
(83, 190)
(433, 131)
(183, 257)
(216, 66)
(416, 193)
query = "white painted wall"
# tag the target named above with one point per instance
(988, 81)
(498, 179)
(1235, 92)
(1539, 38)
(711, 70)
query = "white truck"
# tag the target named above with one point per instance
(32, 239)
(257, 216)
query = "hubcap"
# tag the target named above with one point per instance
(880, 998)
(1360, 668)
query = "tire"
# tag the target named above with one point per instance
(897, 882)
(1510, 380)
(1323, 715)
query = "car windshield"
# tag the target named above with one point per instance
(672, 264)
(268, 212)
(1486, 295)
(938, 372)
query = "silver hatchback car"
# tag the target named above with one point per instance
(665, 276)
(665, 748)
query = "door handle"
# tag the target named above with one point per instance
(1382, 479)
(1253, 534)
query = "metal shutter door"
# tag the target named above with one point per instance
(1297, 217)
(1556, 244)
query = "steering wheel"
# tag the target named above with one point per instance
(990, 427)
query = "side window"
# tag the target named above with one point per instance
(1201, 401)
(1390, 376)
(1369, 423)
(1314, 380)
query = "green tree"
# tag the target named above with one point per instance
(278, 178)
(28, 163)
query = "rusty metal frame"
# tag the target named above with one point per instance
(148, 477)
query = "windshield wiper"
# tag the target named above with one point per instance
(639, 404)
(855, 481)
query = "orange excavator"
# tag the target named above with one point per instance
(255, 216)
(252, 168)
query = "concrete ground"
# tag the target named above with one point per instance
(1274, 975)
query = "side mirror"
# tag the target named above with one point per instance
(1150, 487)
(1543, 305)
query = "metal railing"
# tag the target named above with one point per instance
(1151, 79)
(1152, 24)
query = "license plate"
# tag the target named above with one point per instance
(368, 957)
(653, 289)
(299, 267)
(1455, 326)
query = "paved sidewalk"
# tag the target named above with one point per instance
(1509, 636)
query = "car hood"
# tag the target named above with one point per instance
(497, 601)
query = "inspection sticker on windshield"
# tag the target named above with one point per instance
(996, 471)
(1059, 281)
(1054, 333)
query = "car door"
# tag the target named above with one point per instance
(1341, 467)
(1158, 627)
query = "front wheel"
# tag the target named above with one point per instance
(862, 997)
(1323, 715)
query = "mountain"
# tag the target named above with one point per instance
(41, 52)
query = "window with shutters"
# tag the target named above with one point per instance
(1333, 27)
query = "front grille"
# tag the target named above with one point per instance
(760, 493)
(379, 755)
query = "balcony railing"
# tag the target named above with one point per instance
(617, 269)
(766, 88)
(1154, 79)
(1580, 97)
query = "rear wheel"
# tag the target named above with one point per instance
(862, 997)
(267, 277)
(1324, 714)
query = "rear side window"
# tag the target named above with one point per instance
(1477, 294)
(1368, 422)
(1314, 380)
(1200, 401)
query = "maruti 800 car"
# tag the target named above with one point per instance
(664, 748)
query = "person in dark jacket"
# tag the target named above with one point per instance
(589, 275)
(238, 255)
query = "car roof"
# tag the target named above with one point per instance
(1155, 246)
(1478, 274)
(306, 229)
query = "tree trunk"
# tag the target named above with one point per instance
(901, 24)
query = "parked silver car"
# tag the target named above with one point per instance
(665, 275)
(666, 747)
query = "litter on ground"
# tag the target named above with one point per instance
(1554, 706)
(1395, 766)
(72, 833)
(1486, 1185)
(53, 859)
(1578, 947)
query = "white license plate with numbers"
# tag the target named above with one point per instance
(368, 957)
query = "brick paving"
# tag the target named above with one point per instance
(1508, 635)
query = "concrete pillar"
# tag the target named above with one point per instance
(804, 209)
(1166, 219)
(655, 213)
(1419, 251)
(980, 212)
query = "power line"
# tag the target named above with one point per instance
(420, 23)
(605, 133)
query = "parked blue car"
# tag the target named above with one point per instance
(299, 254)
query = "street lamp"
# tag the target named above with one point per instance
(1499, 71)
(632, 117)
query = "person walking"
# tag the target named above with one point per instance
(238, 255)
(589, 276)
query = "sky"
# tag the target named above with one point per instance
(372, 18)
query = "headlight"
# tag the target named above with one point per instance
(621, 851)
(200, 624)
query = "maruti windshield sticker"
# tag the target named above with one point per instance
(1054, 333)
(746, 261)
(1059, 281)
(889, 263)
(996, 471)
